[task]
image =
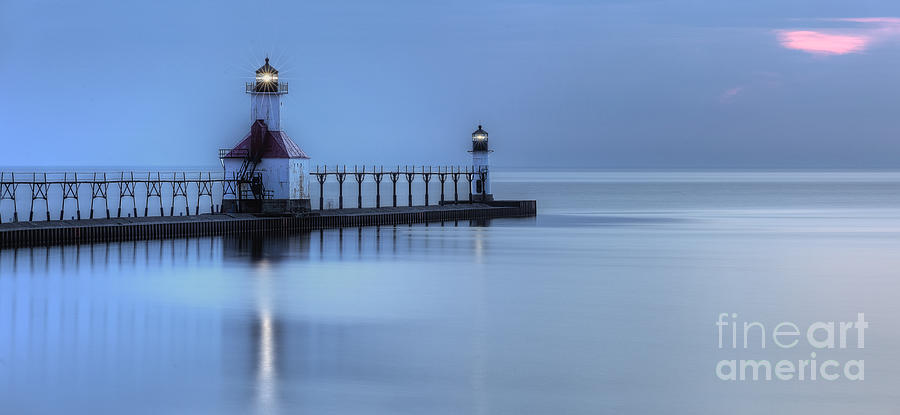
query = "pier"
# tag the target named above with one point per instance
(55, 232)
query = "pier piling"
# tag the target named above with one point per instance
(455, 177)
(395, 175)
(426, 177)
(378, 176)
(360, 177)
(469, 176)
(442, 177)
(321, 179)
(39, 190)
(341, 176)
(409, 180)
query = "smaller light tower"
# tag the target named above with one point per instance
(481, 161)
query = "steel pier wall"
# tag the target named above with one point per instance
(53, 235)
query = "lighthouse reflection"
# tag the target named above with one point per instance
(291, 352)
(266, 374)
(266, 377)
(249, 323)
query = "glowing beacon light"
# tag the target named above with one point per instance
(480, 140)
(266, 78)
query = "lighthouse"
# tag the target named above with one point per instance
(481, 162)
(268, 171)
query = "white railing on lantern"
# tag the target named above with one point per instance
(282, 88)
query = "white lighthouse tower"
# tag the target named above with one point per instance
(481, 162)
(265, 96)
(269, 172)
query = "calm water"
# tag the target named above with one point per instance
(605, 303)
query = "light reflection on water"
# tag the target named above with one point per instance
(604, 303)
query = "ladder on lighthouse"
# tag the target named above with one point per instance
(248, 183)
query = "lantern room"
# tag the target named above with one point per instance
(480, 140)
(266, 78)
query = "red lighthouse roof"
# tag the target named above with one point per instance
(268, 144)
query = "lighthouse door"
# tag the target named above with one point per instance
(478, 186)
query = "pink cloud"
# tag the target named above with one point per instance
(823, 43)
(730, 93)
(760, 81)
(855, 38)
(877, 20)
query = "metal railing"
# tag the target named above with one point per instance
(282, 88)
(425, 173)
(43, 187)
(77, 186)
(235, 152)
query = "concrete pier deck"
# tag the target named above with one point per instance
(18, 234)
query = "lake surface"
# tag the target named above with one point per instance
(606, 302)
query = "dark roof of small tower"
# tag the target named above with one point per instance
(266, 68)
(274, 144)
(480, 131)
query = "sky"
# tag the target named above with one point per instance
(610, 84)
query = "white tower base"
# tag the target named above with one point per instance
(481, 184)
